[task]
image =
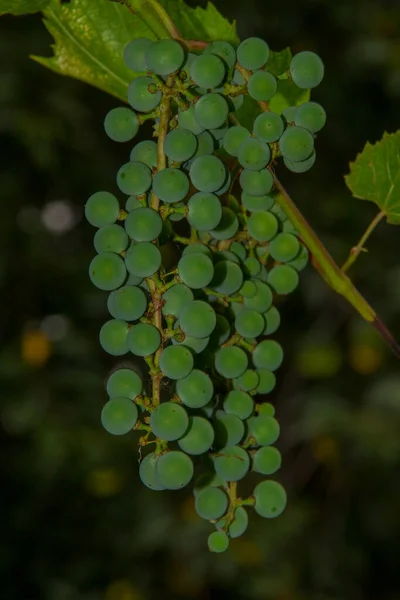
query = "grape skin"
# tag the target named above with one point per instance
(205, 211)
(197, 319)
(268, 354)
(264, 429)
(249, 323)
(228, 277)
(262, 86)
(311, 116)
(267, 460)
(253, 53)
(135, 54)
(207, 173)
(102, 208)
(208, 71)
(262, 226)
(196, 389)
(141, 96)
(256, 183)
(145, 152)
(256, 203)
(211, 503)
(110, 238)
(233, 138)
(128, 303)
(180, 145)
(196, 270)
(239, 404)
(296, 144)
(231, 362)
(253, 154)
(165, 56)
(169, 421)
(147, 472)
(227, 227)
(125, 383)
(143, 339)
(113, 337)
(176, 362)
(307, 70)
(211, 111)
(174, 470)
(198, 437)
(232, 463)
(143, 225)
(268, 127)
(224, 50)
(218, 541)
(284, 279)
(229, 430)
(284, 247)
(175, 299)
(171, 185)
(119, 416)
(121, 124)
(301, 166)
(270, 499)
(143, 259)
(134, 178)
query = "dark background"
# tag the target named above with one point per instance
(76, 523)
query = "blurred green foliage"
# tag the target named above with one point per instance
(76, 522)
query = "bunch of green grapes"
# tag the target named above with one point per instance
(204, 327)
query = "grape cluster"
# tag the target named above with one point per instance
(205, 328)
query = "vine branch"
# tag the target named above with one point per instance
(356, 250)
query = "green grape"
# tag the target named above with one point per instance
(239, 403)
(121, 124)
(176, 362)
(249, 323)
(196, 389)
(143, 225)
(231, 362)
(234, 137)
(296, 144)
(268, 354)
(207, 173)
(301, 261)
(133, 280)
(206, 144)
(206, 480)
(239, 250)
(208, 71)
(165, 57)
(119, 416)
(171, 185)
(145, 152)
(268, 127)
(218, 541)
(248, 289)
(284, 247)
(283, 279)
(262, 299)
(143, 259)
(270, 499)
(132, 203)
(128, 303)
(272, 320)
(256, 183)
(195, 270)
(253, 267)
(228, 182)
(205, 211)
(253, 154)
(228, 277)
(301, 166)
(113, 337)
(227, 227)
(264, 429)
(289, 114)
(111, 238)
(257, 203)
(135, 54)
(193, 248)
(143, 94)
(262, 226)
(267, 381)
(221, 332)
(267, 460)
(307, 70)
(232, 463)
(239, 524)
(197, 319)
(124, 383)
(186, 120)
(211, 503)
(211, 111)
(246, 382)
(279, 212)
(262, 86)
(143, 339)
(175, 299)
(185, 68)
(176, 216)
(102, 208)
(311, 116)
(229, 430)
(266, 409)
(174, 470)
(180, 145)
(253, 53)
(198, 438)
(134, 178)
(195, 344)
(224, 255)
(224, 50)
(147, 472)
(169, 421)
(107, 271)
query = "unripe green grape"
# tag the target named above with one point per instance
(145, 152)
(170, 185)
(124, 383)
(257, 203)
(196, 389)
(227, 227)
(121, 124)
(194, 248)
(239, 523)
(252, 266)
(253, 53)
(268, 127)
(301, 166)
(119, 416)
(102, 208)
(211, 503)
(132, 203)
(128, 303)
(239, 250)
(186, 120)
(107, 271)
(229, 430)
(208, 71)
(253, 154)
(232, 463)
(134, 178)
(206, 480)
(143, 339)
(307, 70)
(301, 261)
(228, 182)
(110, 238)
(169, 421)
(228, 277)
(176, 216)
(256, 183)
(165, 56)
(206, 144)
(249, 323)
(197, 319)
(207, 173)
(143, 259)
(270, 499)
(135, 54)
(176, 297)
(262, 86)
(234, 137)
(218, 541)
(224, 50)
(143, 94)
(268, 354)
(143, 225)
(205, 211)
(185, 68)
(176, 362)
(296, 144)
(180, 145)
(174, 470)
(267, 460)
(211, 111)
(246, 382)
(262, 226)
(195, 344)
(284, 247)
(221, 332)
(231, 362)
(266, 409)
(272, 320)
(278, 211)
(283, 279)
(311, 116)
(262, 299)
(147, 472)
(198, 438)
(113, 337)
(195, 270)
(239, 403)
(264, 429)
(248, 289)
(225, 255)
(289, 114)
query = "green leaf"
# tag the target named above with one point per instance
(279, 62)
(375, 175)
(22, 7)
(288, 94)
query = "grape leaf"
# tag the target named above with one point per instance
(22, 7)
(288, 94)
(278, 62)
(375, 175)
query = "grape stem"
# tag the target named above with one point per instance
(356, 250)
